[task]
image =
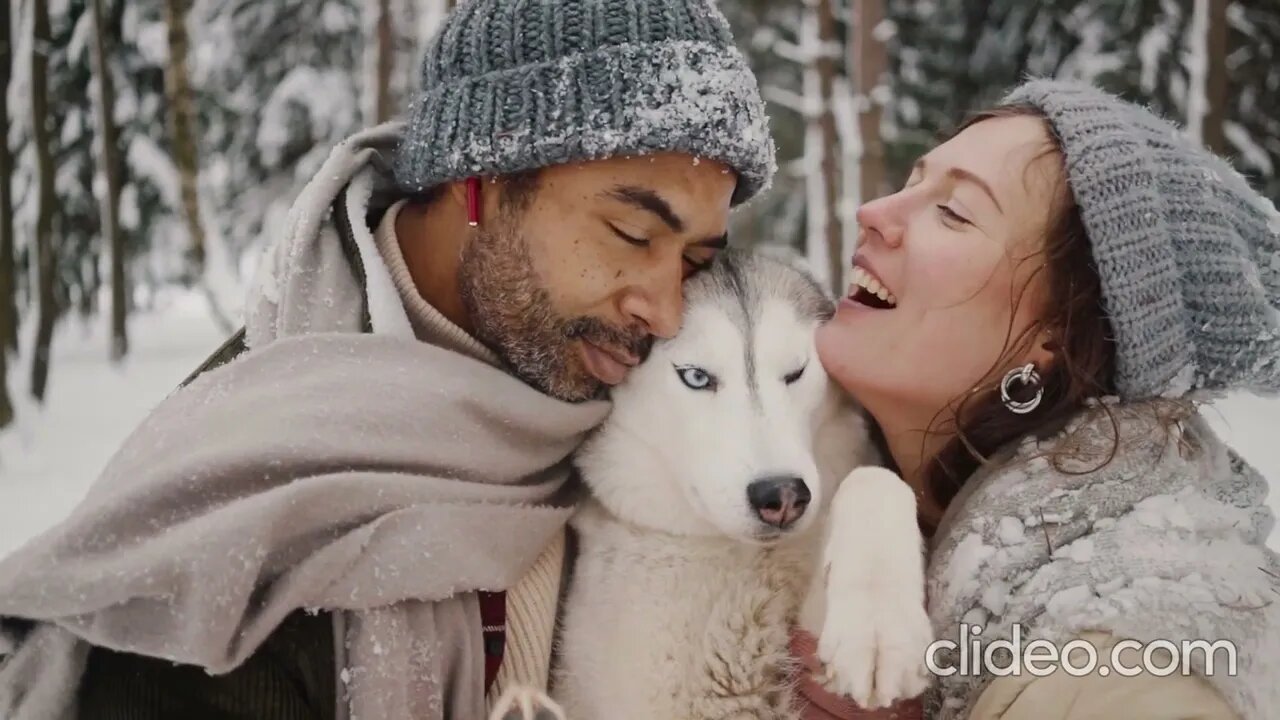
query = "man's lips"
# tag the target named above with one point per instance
(609, 366)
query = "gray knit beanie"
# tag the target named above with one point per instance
(512, 85)
(1187, 251)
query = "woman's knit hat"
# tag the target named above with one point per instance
(510, 86)
(1188, 253)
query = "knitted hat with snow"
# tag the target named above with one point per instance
(511, 86)
(1188, 253)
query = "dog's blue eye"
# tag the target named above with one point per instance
(794, 376)
(696, 378)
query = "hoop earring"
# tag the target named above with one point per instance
(1026, 376)
(473, 201)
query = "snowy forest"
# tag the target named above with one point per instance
(154, 145)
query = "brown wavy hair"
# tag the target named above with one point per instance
(1073, 317)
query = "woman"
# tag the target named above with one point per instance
(1034, 318)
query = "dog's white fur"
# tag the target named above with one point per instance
(682, 600)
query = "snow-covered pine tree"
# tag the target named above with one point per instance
(395, 35)
(1252, 127)
(930, 58)
(417, 23)
(76, 218)
(1165, 53)
(272, 110)
(949, 58)
(776, 218)
(798, 53)
(68, 236)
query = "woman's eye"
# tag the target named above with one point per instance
(952, 216)
(632, 239)
(695, 378)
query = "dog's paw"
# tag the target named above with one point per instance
(875, 632)
(526, 703)
(874, 652)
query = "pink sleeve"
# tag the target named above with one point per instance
(820, 704)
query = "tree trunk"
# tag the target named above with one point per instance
(8, 260)
(385, 39)
(186, 157)
(178, 97)
(110, 158)
(8, 314)
(869, 62)
(826, 67)
(45, 255)
(90, 283)
(1215, 86)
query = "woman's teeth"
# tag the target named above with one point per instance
(863, 279)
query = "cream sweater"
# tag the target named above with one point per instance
(531, 603)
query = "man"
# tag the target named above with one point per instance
(357, 507)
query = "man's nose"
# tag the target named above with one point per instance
(657, 304)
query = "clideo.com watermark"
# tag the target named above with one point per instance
(1016, 656)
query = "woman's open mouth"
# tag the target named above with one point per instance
(866, 289)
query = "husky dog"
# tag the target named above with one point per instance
(732, 501)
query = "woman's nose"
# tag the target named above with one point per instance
(882, 220)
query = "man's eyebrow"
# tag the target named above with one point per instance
(962, 174)
(649, 200)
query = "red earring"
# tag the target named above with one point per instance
(473, 201)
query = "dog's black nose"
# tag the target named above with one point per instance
(779, 500)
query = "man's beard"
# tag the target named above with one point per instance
(511, 312)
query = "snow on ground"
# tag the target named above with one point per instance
(52, 454)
